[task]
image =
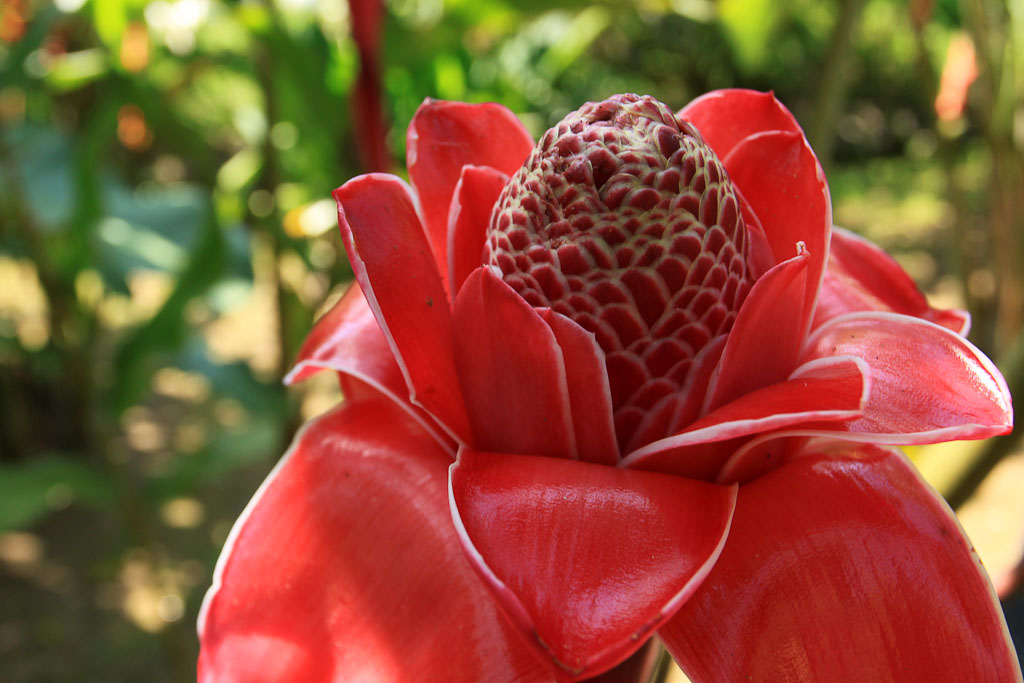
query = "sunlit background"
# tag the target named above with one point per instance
(167, 238)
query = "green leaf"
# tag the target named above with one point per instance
(31, 490)
(153, 228)
(233, 380)
(749, 25)
(77, 69)
(230, 450)
(583, 30)
(166, 331)
(42, 159)
(110, 17)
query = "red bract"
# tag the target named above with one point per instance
(628, 382)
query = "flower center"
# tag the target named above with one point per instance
(625, 221)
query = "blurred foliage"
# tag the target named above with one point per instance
(166, 234)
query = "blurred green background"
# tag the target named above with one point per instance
(167, 238)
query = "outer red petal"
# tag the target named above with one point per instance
(764, 344)
(348, 340)
(782, 180)
(392, 261)
(470, 214)
(862, 277)
(843, 566)
(928, 384)
(588, 560)
(511, 372)
(345, 567)
(827, 390)
(725, 117)
(445, 136)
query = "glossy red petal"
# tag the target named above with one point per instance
(764, 344)
(587, 560)
(345, 567)
(590, 397)
(725, 117)
(782, 180)
(392, 261)
(826, 390)
(511, 371)
(445, 136)
(862, 277)
(843, 566)
(928, 384)
(470, 214)
(348, 340)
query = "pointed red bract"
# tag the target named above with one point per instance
(587, 560)
(782, 180)
(928, 384)
(725, 117)
(392, 261)
(828, 390)
(511, 371)
(862, 277)
(843, 566)
(470, 214)
(764, 344)
(444, 137)
(345, 567)
(698, 382)
(590, 397)
(760, 258)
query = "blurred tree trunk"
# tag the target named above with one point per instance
(831, 94)
(70, 330)
(997, 104)
(998, 95)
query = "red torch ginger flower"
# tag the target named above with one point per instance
(629, 382)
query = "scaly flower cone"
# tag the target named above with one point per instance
(626, 222)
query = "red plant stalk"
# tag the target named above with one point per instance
(367, 96)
